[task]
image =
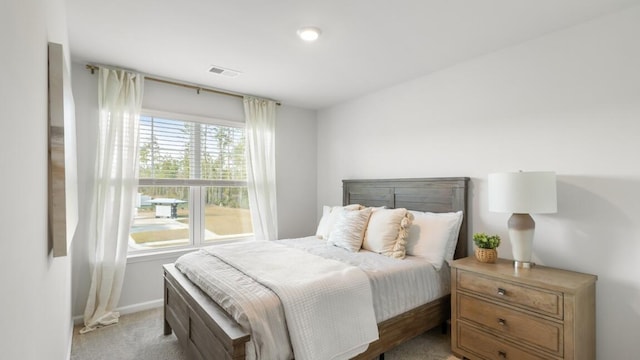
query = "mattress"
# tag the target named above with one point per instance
(397, 286)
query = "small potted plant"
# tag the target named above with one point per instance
(486, 247)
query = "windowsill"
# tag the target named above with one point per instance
(172, 254)
(169, 254)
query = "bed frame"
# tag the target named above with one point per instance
(207, 332)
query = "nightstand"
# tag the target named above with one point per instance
(542, 313)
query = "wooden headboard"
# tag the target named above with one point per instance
(428, 194)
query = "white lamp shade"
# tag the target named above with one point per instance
(531, 192)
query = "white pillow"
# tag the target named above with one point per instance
(324, 221)
(348, 231)
(387, 232)
(329, 216)
(434, 236)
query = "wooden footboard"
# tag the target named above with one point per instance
(206, 331)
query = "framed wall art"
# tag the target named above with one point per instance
(62, 201)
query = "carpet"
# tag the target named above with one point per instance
(139, 337)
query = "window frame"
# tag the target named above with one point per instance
(196, 194)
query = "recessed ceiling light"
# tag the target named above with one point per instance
(309, 33)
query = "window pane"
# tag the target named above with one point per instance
(176, 149)
(161, 218)
(165, 148)
(226, 213)
(222, 155)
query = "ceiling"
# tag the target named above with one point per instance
(365, 45)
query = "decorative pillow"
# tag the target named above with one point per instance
(434, 236)
(348, 231)
(330, 215)
(387, 232)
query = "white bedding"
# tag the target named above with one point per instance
(317, 294)
(397, 286)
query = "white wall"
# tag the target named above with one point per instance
(295, 162)
(567, 102)
(296, 166)
(35, 306)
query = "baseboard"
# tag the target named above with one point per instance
(129, 309)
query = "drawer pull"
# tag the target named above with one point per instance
(502, 354)
(501, 291)
(502, 322)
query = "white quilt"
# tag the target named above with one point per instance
(317, 295)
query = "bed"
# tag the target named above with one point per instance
(206, 331)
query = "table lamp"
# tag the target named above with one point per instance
(522, 193)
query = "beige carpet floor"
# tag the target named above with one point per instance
(139, 337)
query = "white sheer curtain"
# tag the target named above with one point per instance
(260, 117)
(115, 188)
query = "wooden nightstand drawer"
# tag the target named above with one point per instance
(542, 301)
(521, 327)
(489, 347)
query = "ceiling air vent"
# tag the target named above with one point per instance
(219, 70)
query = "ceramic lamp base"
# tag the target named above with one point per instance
(521, 229)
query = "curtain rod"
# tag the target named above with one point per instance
(197, 88)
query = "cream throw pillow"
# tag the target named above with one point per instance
(434, 236)
(324, 222)
(348, 231)
(387, 232)
(330, 215)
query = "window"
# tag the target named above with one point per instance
(193, 183)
